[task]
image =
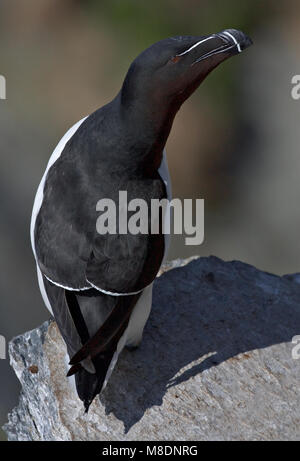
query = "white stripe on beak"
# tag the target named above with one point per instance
(196, 44)
(234, 39)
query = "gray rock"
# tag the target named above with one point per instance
(215, 364)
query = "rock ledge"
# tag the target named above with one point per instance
(215, 364)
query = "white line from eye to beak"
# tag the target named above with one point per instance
(234, 39)
(196, 44)
(213, 53)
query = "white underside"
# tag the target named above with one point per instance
(134, 332)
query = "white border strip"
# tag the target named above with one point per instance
(65, 287)
(111, 293)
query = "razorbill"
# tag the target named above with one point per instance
(99, 287)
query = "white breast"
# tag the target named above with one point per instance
(40, 192)
(39, 200)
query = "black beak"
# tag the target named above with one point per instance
(230, 42)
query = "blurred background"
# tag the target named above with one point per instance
(234, 143)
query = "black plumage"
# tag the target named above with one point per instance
(96, 284)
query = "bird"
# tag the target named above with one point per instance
(98, 287)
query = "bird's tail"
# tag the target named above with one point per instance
(89, 385)
(102, 350)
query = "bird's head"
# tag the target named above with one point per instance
(171, 69)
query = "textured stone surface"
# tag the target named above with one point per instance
(215, 364)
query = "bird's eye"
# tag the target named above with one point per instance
(175, 59)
